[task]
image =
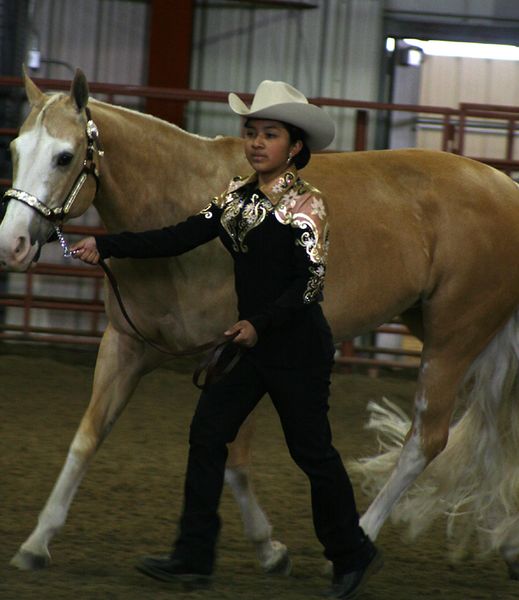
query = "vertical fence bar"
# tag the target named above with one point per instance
(448, 131)
(27, 304)
(510, 140)
(360, 141)
(94, 322)
(461, 134)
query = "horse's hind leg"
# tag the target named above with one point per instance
(118, 369)
(273, 555)
(438, 381)
(450, 348)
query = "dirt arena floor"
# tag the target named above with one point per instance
(130, 499)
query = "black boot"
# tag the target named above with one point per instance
(347, 584)
(170, 568)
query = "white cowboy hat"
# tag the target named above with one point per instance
(280, 101)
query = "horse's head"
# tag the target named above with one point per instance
(53, 156)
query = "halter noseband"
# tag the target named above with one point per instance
(215, 349)
(58, 214)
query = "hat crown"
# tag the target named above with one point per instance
(270, 93)
(279, 101)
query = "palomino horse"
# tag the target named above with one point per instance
(428, 235)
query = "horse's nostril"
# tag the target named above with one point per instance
(20, 246)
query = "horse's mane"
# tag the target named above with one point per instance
(145, 116)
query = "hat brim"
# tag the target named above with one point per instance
(318, 125)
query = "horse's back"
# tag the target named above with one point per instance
(405, 221)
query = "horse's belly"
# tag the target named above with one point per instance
(356, 306)
(370, 283)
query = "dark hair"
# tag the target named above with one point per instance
(295, 134)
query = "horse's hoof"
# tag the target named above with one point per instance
(281, 564)
(27, 561)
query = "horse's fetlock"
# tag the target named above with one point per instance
(259, 534)
(237, 478)
(82, 447)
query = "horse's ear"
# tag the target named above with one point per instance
(79, 90)
(34, 94)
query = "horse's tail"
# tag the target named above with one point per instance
(474, 482)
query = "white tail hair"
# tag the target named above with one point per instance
(475, 480)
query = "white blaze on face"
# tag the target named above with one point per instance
(36, 151)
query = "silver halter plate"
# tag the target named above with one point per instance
(57, 215)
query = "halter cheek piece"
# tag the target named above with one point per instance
(221, 354)
(57, 215)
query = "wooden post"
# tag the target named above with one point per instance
(361, 130)
(171, 33)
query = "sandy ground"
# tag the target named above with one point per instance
(130, 499)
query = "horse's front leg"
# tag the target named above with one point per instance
(273, 555)
(120, 364)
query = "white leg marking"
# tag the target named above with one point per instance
(119, 366)
(273, 555)
(410, 464)
(54, 514)
(256, 525)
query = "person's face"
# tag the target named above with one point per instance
(267, 147)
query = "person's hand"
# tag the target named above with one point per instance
(86, 250)
(247, 335)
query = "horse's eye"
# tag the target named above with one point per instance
(64, 159)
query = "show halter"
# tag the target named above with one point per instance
(57, 215)
(218, 350)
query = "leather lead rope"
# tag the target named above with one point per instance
(221, 354)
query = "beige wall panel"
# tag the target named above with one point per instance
(447, 81)
(440, 81)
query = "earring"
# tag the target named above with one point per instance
(289, 159)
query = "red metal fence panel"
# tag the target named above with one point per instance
(454, 130)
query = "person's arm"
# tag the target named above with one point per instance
(309, 220)
(156, 243)
(168, 241)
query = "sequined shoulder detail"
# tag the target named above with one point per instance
(306, 211)
(225, 197)
(303, 208)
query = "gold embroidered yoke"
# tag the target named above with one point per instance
(300, 209)
(277, 236)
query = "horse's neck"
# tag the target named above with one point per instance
(154, 173)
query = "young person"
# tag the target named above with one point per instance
(274, 224)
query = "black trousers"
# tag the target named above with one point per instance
(300, 397)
